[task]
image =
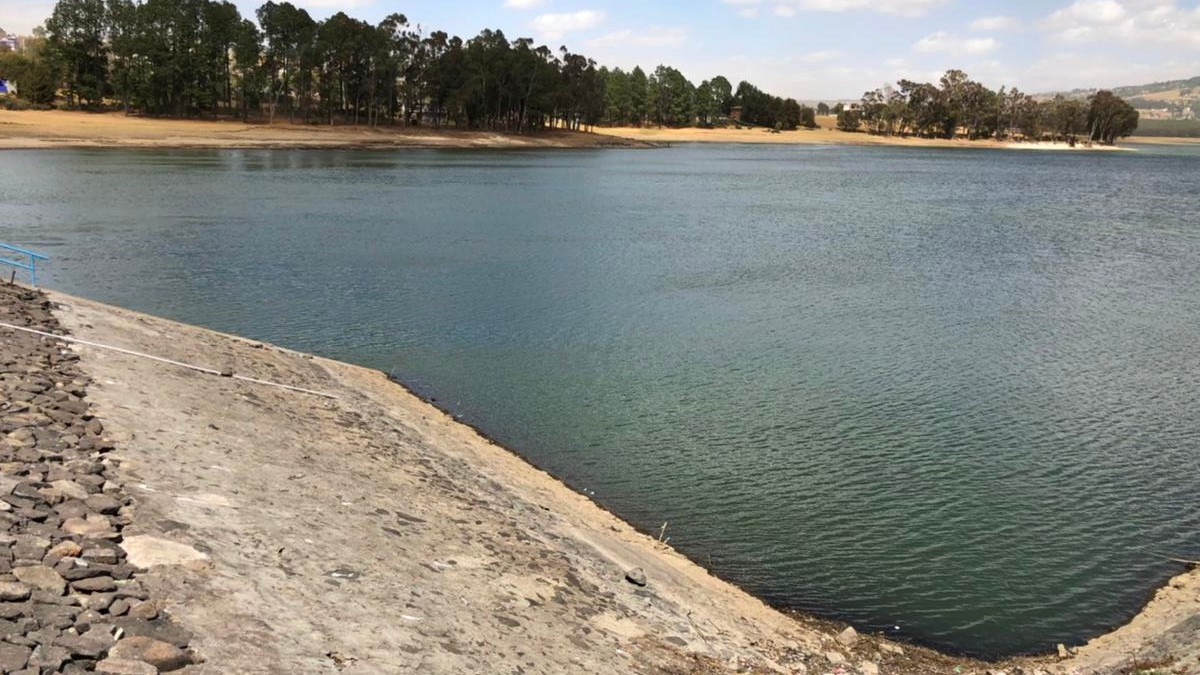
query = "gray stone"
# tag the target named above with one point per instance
(636, 577)
(848, 637)
(41, 577)
(868, 668)
(162, 655)
(76, 572)
(48, 657)
(112, 666)
(835, 658)
(65, 549)
(102, 503)
(13, 591)
(71, 509)
(106, 556)
(144, 610)
(159, 629)
(118, 607)
(88, 646)
(12, 610)
(70, 489)
(92, 526)
(145, 551)
(48, 598)
(103, 584)
(86, 619)
(55, 616)
(13, 657)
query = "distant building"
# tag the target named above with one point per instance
(9, 43)
(735, 113)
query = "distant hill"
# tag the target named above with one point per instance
(1171, 87)
(1170, 101)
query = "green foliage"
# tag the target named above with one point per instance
(848, 119)
(1169, 128)
(765, 110)
(959, 105)
(1109, 118)
(78, 39)
(34, 74)
(808, 116)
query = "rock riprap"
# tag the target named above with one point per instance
(70, 600)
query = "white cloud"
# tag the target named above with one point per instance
(344, 5)
(1067, 70)
(1138, 23)
(650, 37)
(749, 8)
(994, 23)
(555, 26)
(789, 8)
(523, 4)
(945, 43)
(821, 56)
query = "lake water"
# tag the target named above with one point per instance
(953, 392)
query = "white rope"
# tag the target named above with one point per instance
(209, 371)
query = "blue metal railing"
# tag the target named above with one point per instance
(31, 267)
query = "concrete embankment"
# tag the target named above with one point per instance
(355, 528)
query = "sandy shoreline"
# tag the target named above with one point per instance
(826, 135)
(371, 533)
(25, 130)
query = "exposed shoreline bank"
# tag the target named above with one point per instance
(31, 130)
(309, 477)
(826, 135)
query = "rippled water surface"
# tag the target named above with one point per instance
(950, 391)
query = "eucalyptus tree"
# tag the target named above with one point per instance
(247, 58)
(77, 33)
(1109, 117)
(639, 96)
(1064, 118)
(394, 50)
(288, 33)
(124, 39)
(722, 92)
(344, 52)
(202, 58)
(618, 97)
(220, 23)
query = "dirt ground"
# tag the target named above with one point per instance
(61, 129)
(368, 532)
(824, 134)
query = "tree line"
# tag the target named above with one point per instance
(958, 105)
(201, 58)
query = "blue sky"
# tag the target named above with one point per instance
(820, 49)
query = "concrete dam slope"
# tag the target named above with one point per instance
(341, 524)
